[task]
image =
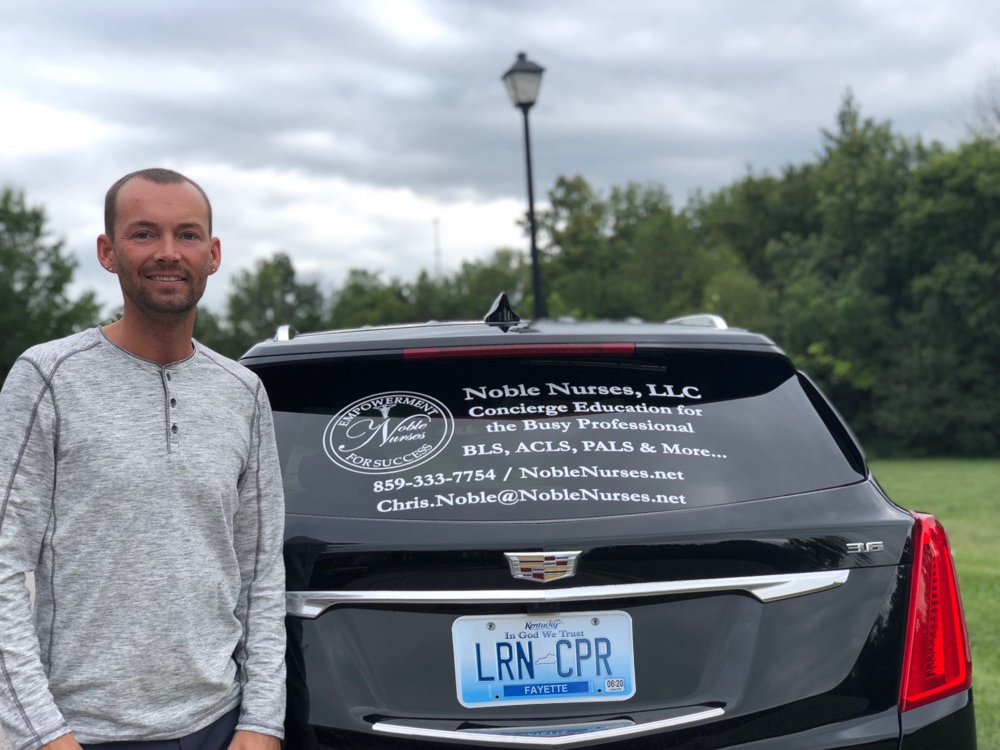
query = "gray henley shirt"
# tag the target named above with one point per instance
(147, 500)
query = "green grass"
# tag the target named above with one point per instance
(965, 496)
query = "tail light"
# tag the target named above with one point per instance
(937, 660)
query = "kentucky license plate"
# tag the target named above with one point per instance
(520, 659)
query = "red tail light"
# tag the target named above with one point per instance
(937, 660)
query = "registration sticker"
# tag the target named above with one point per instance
(520, 659)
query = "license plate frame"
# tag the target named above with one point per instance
(511, 660)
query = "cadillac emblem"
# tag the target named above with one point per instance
(542, 566)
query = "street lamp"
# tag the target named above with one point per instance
(523, 80)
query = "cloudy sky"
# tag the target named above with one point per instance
(339, 130)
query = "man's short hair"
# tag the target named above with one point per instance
(155, 174)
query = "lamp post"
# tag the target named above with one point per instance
(523, 80)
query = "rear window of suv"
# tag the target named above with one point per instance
(546, 438)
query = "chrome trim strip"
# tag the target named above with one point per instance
(311, 604)
(585, 727)
(506, 739)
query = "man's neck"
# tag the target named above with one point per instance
(162, 340)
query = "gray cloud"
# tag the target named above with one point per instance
(338, 99)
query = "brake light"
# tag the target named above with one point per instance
(937, 661)
(519, 350)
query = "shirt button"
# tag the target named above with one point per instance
(173, 402)
(174, 429)
(168, 376)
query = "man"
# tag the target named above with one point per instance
(139, 480)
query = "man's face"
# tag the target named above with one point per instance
(161, 251)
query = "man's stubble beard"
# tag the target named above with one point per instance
(173, 305)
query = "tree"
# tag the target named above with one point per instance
(367, 300)
(884, 278)
(938, 393)
(986, 108)
(755, 210)
(210, 329)
(632, 255)
(261, 300)
(577, 263)
(35, 275)
(468, 294)
(591, 246)
(840, 286)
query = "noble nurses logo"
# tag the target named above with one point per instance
(388, 432)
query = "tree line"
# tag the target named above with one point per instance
(875, 265)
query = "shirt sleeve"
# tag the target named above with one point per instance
(28, 712)
(259, 533)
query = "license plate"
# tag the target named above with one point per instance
(520, 659)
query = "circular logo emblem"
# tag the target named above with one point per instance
(388, 432)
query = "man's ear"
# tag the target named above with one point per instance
(216, 253)
(106, 253)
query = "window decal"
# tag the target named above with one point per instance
(388, 432)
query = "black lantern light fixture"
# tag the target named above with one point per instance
(523, 81)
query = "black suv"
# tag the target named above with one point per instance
(597, 534)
